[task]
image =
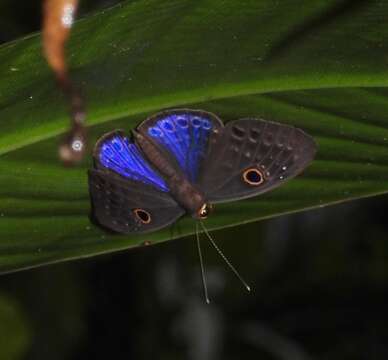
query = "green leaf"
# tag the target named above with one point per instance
(321, 66)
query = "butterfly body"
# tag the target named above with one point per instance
(182, 190)
(181, 161)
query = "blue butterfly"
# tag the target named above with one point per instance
(184, 161)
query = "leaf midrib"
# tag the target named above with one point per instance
(223, 94)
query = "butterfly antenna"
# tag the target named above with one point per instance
(201, 263)
(225, 258)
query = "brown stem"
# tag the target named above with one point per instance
(58, 17)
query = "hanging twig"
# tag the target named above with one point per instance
(58, 17)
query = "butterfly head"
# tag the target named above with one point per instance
(204, 211)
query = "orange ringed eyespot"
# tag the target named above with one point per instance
(253, 176)
(142, 215)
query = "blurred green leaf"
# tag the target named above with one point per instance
(321, 66)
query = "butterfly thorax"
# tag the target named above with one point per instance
(182, 190)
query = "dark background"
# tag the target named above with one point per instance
(319, 281)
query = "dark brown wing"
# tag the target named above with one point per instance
(127, 206)
(250, 156)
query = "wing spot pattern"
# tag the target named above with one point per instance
(168, 125)
(187, 141)
(238, 132)
(155, 132)
(254, 135)
(206, 124)
(142, 215)
(253, 176)
(182, 122)
(196, 121)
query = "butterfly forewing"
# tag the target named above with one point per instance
(128, 195)
(116, 152)
(251, 156)
(182, 136)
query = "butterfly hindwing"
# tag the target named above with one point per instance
(128, 206)
(250, 156)
(182, 135)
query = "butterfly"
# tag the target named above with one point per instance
(184, 161)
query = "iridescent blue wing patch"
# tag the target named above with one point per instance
(118, 154)
(184, 134)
